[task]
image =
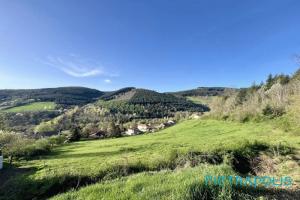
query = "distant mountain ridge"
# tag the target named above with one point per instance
(203, 91)
(124, 104)
(139, 96)
(115, 94)
(83, 95)
(61, 95)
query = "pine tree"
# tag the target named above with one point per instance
(269, 81)
(75, 134)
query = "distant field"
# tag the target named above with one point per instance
(206, 100)
(37, 106)
(110, 158)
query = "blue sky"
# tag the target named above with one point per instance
(156, 44)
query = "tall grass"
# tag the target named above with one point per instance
(260, 104)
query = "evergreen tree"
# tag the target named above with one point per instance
(269, 81)
(75, 134)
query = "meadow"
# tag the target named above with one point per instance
(32, 107)
(173, 158)
(206, 100)
(179, 184)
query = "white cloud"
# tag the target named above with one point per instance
(107, 81)
(77, 67)
(72, 72)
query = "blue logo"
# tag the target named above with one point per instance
(255, 181)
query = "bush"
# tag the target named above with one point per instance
(39, 147)
(45, 128)
(75, 134)
(273, 112)
(57, 140)
(13, 145)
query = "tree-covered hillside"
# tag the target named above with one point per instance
(119, 107)
(115, 94)
(62, 95)
(203, 91)
(277, 98)
(151, 104)
(126, 106)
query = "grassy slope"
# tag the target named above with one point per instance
(99, 157)
(201, 100)
(204, 136)
(88, 157)
(149, 185)
(37, 106)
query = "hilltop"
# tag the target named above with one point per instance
(204, 91)
(143, 103)
(61, 95)
(143, 96)
(52, 110)
(249, 132)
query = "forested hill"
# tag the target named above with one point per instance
(152, 101)
(82, 96)
(203, 91)
(61, 95)
(142, 96)
(117, 93)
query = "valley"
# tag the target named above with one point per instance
(137, 143)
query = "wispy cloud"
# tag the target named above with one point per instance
(107, 81)
(77, 67)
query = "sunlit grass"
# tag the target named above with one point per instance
(150, 185)
(90, 157)
(37, 106)
(206, 100)
(109, 159)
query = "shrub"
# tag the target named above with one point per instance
(14, 145)
(241, 96)
(37, 148)
(57, 140)
(272, 112)
(75, 134)
(45, 128)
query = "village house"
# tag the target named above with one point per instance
(143, 127)
(132, 131)
(170, 123)
(195, 116)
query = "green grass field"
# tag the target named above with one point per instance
(201, 100)
(149, 185)
(99, 160)
(32, 107)
(88, 157)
